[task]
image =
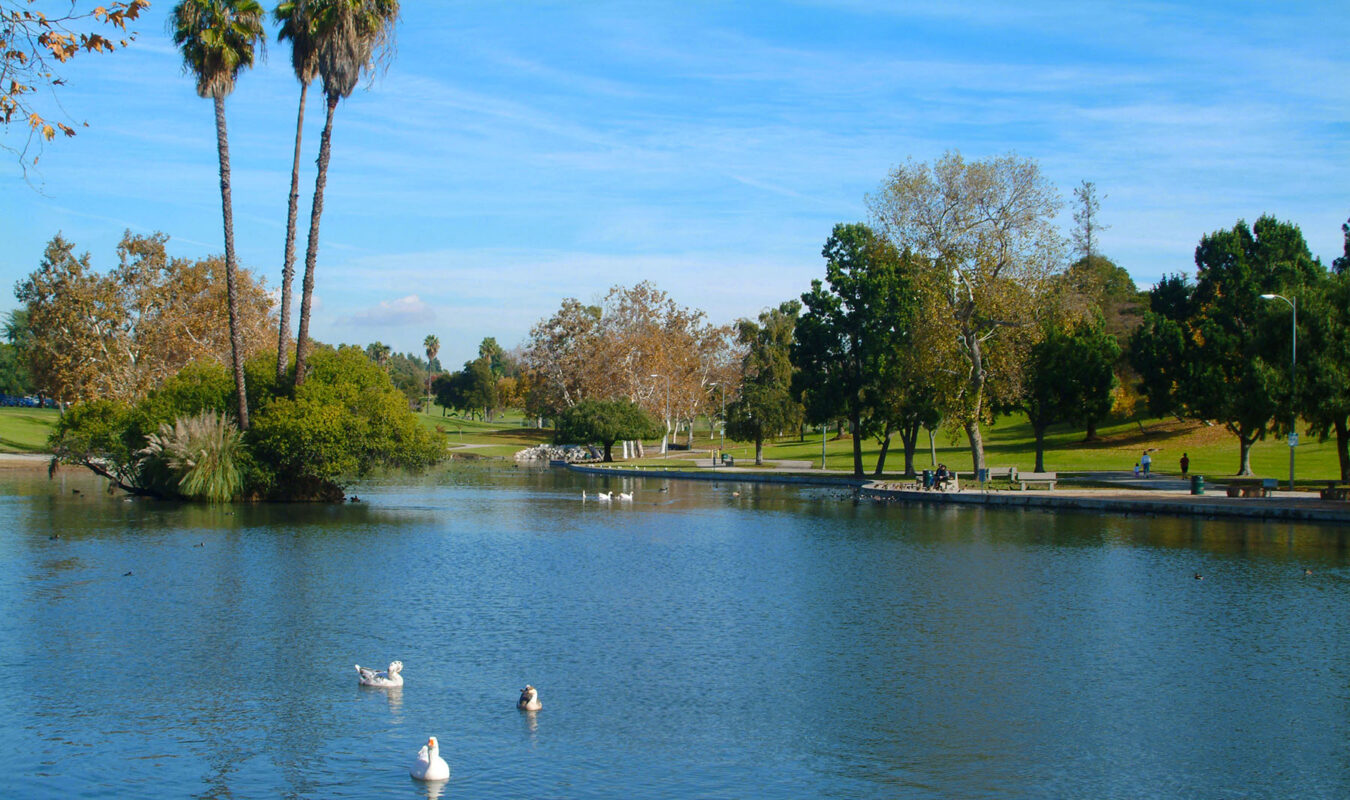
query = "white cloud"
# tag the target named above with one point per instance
(394, 313)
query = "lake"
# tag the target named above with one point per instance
(701, 641)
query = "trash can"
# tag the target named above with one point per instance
(928, 479)
(1197, 484)
(983, 475)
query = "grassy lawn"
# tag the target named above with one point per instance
(1008, 442)
(25, 430)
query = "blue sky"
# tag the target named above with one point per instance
(518, 153)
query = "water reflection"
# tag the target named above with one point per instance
(432, 789)
(912, 652)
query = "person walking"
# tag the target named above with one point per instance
(1185, 464)
(1144, 463)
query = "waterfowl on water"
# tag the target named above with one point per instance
(1199, 577)
(605, 496)
(384, 679)
(529, 699)
(429, 765)
(625, 495)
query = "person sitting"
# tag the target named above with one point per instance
(941, 478)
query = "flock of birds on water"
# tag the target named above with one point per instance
(429, 766)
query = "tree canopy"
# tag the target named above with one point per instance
(604, 422)
(985, 244)
(1210, 350)
(764, 403)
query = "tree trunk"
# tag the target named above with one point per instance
(855, 424)
(976, 444)
(1245, 458)
(1343, 447)
(288, 262)
(1039, 431)
(609, 450)
(1091, 435)
(909, 437)
(231, 266)
(885, 446)
(302, 345)
(759, 451)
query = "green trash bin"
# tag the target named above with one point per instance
(928, 479)
(1197, 484)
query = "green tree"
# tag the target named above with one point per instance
(983, 238)
(846, 334)
(1069, 377)
(296, 27)
(765, 404)
(378, 352)
(432, 345)
(495, 355)
(348, 35)
(1324, 360)
(605, 422)
(1211, 350)
(217, 39)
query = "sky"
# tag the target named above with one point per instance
(515, 154)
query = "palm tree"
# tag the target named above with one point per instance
(378, 352)
(293, 15)
(433, 346)
(217, 38)
(348, 35)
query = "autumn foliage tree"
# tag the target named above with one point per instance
(120, 333)
(33, 44)
(983, 233)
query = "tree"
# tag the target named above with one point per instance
(983, 238)
(1069, 377)
(31, 43)
(14, 377)
(1323, 391)
(766, 405)
(296, 27)
(348, 35)
(1211, 350)
(432, 345)
(1087, 224)
(217, 39)
(121, 333)
(378, 352)
(604, 422)
(493, 352)
(846, 335)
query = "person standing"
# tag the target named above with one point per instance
(1185, 464)
(1144, 463)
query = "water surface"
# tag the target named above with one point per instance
(704, 640)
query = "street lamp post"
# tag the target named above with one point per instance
(1293, 363)
(666, 436)
(723, 387)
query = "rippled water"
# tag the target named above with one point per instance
(704, 641)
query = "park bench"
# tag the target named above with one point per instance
(1340, 493)
(1048, 478)
(1251, 487)
(728, 460)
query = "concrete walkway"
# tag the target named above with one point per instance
(1114, 492)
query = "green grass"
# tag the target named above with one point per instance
(25, 430)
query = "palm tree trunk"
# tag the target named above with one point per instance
(288, 265)
(312, 250)
(231, 266)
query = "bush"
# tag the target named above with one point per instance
(305, 443)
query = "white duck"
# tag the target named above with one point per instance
(385, 680)
(529, 699)
(604, 496)
(429, 765)
(625, 495)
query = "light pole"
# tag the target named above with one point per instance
(1293, 363)
(666, 436)
(723, 387)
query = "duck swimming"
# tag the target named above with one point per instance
(529, 699)
(386, 679)
(429, 765)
